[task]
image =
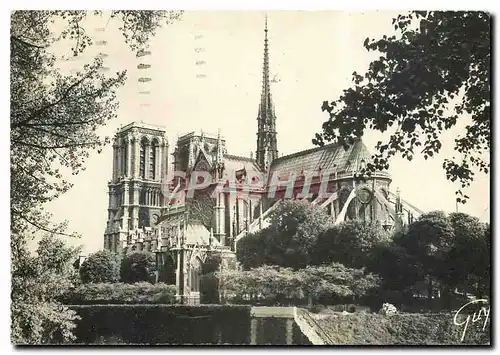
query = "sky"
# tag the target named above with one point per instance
(312, 57)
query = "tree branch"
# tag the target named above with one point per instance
(17, 39)
(52, 104)
(39, 226)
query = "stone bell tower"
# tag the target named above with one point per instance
(140, 161)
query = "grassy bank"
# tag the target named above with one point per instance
(400, 329)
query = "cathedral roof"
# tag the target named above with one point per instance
(331, 157)
(236, 163)
(198, 234)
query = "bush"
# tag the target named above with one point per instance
(160, 324)
(101, 266)
(138, 266)
(121, 293)
(37, 280)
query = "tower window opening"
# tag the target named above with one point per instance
(152, 160)
(142, 162)
(124, 159)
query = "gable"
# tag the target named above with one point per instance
(202, 162)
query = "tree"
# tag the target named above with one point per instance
(276, 284)
(293, 232)
(336, 281)
(251, 250)
(429, 240)
(399, 270)
(138, 266)
(290, 238)
(469, 258)
(99, 267)
(350, 243)
(54, 120)
(37, 318)
(432, 72)
(484, 282)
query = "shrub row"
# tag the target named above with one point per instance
(121, 293)
(106, 266)
(162, 324)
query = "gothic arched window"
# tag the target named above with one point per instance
(142, 160)
(152, 159)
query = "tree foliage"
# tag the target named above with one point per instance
(350, 243)
(275, 283)
(338, 280)
(211, 263)
(432, 73)
(36, 317)
(251, 251)
(99, 267)
(55, 117)
(469, 258)
(138, 266)
(398, 269)
(435, 252)
(429, 238)
(290, 238)
(54, 120)
(446, 252)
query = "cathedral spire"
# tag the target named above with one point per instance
(267, 149)
(266, 92)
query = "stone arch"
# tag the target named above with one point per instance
(382, 190)
(344, 194)
(382, 194)
(349, 195)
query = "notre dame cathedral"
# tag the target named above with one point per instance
(152, 207)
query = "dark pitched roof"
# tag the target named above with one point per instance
(329, 157)
(234, 162)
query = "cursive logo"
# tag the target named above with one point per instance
(475, 317)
